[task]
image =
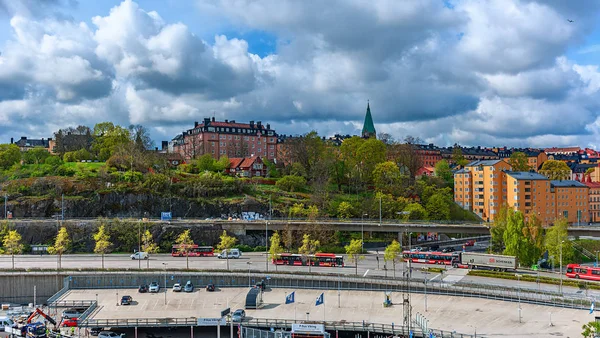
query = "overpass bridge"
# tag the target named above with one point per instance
(389, 226)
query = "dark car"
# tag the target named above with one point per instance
(126, 300)
(210, 287)
(94, 331)
(143, 289)
(434, 247)
(448, 249)
(261, 285)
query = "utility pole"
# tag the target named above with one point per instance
(62, 206)
(561, 274)
(519, 293)
(379, 210)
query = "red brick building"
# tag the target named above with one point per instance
(229, 138)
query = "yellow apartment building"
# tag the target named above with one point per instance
(484, 186)
(594, 201)
(478, 187)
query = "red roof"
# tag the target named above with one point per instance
(242, 162)
(562, 150)
(234, 162)
(592, 185)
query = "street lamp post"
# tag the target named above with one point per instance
(561, 245)
(362, 232)
(139, 244)
(519, 293)
(165, 265)
(249, 263)
(409, 253)
(596, 252)
(425, 281)
(267, 244)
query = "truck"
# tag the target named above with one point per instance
(475, 260)
(29, 329)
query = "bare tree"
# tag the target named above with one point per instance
(407, 158)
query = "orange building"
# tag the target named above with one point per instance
(594, 201)
(484, 186)
(535, 159)
(479, 187)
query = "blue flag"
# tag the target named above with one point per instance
(592, 308)
(289, 299)
(320, 299)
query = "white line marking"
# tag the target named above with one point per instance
(366, 272)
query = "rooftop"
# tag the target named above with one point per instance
(567, 183)
(526, 175)
(483, 163)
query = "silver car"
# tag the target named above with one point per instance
(110, 334)
(154, 287)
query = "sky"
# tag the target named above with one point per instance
(472, 72)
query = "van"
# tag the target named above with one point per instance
(233, 253)
(5, 321)
(139, 255)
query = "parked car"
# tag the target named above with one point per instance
(143, 289)
(189, 287)
(448, 249)
(71, 313)
(261, 285)
(210, 287)
(238, 315)
(417, 248)
(110, 334)
(126, 300)
(94, 331)
(139, 255)
(176, 287)
(470, 242)
(154, 287)
(434, 247)
(69, 322)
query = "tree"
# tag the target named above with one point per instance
(457, 156)
(12, 245)
(517, 240)
(184, 245)
(9, 155)
(103, 243)
(354, 252)
(438, 207)
(344, 210)
(275, 250)
(291, 183)
(37, 155)
(591, 329)
(518, 161)
(415, 211)
(534, 232)
(498, 228)
(312, 212)
(148, 245)
(557, 237)
(227, 242)
(62, 243)
(141, 137)
(555, 170)
(387, 177)
(407, 158)
(443, 171)
(308, 248)
(392, 253)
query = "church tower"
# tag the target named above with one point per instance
(368, 130)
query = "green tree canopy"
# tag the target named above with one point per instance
(443, 171)
(557, 237)
(185, 243)
(591, 329)
(344, 210)
(387, 177)
(518, 161)
(148, 245)
(291, 183)
(415, 211)
(62, 243)
(227, 242)
(275, 248)
(37, 155)
(438, 206)
(498, 228)
(392, 254)
(309, 247)
(458, 157)
(354, 252)
(10, 154)
(555, 170)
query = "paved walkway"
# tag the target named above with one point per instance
(463, 315)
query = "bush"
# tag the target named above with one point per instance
(291, 183)
(64, 170)
(53, 161)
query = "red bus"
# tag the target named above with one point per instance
(429, 257)
(583, 272)
(194, 251)
(320, 259)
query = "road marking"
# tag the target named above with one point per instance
(436, 276)
(366, 272)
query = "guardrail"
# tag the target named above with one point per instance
(62, 291)
(148, 322)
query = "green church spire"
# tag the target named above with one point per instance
(368, 127)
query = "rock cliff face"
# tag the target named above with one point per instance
(130, 205)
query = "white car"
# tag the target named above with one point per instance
(110, 334)
(154, 287)
(139, 255)
(176, 287)
(233, 253)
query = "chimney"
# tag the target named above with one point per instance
(23, 137)
(165, 145)
(49, 138)
(206, 121)
(213, 119)
(12, 140)
(232, 121)
(259, 125)
(226, 121)
(195, 124)
(251, 124)
(268, 126)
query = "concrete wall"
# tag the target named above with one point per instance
(18, 288)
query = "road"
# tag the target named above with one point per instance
(371, 266)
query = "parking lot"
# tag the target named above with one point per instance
(464, 315)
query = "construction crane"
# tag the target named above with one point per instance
(39, 312)
(33, 330)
